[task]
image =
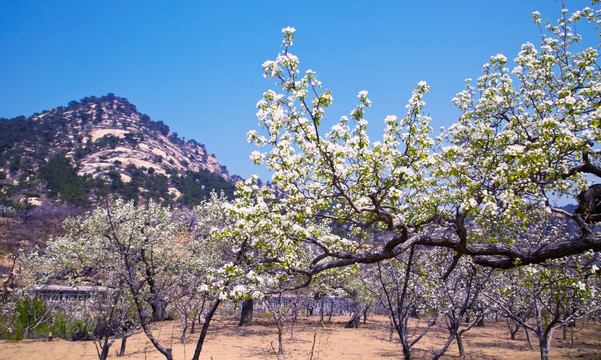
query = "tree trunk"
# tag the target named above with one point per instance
(280, 340)
(105, 346)
(513, 328)
(292, 325)
(406, 353)
(321, 313)
(123, 343)
(445, 347)
(402, 331)
(544, 347)
(460, 345)
(528, 338)
(182, 339)
(453, 328)
(246, 314)
(205, 329)
(353, 323)
(158, 310)
(105, 352)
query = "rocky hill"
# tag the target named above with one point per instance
(97, 146)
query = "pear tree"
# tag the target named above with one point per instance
(127, 249)
(527, 136)
(556, 293)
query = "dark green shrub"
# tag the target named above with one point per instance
(66, 327)
(31, 320)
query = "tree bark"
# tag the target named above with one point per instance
(280, 340)
(158, 310)
(528, 338)
(123, 344)
(321, 313)
(513, 327)
(293, 323)
(182, 338)
(544, 346)
(105, 352)
(353, 323)
(105, 346)
(493, 255)
(246, 314)
(460, 345)
(205, 329)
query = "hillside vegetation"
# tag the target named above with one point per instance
(99, 146)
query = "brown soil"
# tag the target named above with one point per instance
(371, 341)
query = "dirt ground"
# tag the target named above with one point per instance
(370, 341)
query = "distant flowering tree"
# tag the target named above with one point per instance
(237, 251)
(543, 297)
(525, 136)
(129, 250)
(10, 296)
(408, 289)
(214, 263)
(557, 293)
(459, 299)
(143, 255)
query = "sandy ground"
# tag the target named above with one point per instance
(370, 341)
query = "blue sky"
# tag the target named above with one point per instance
(196, 65)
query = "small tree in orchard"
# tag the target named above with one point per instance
(31, 316)
(327, 292)
(558, 292)
(129, 250)
(347, 289)
(525, 134)
(215, 262)
(513, 304)
(353, 286)
(270, 251)
(200, 257)
(284, 306)
(24, 314)
(190, 290)
(406, 289)
(238, 250)
(10, 296)
(546, 296)
(116, 316)
(459, 298)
